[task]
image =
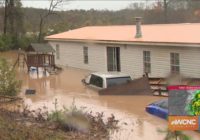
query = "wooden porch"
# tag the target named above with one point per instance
(40, 56)
(40, 60)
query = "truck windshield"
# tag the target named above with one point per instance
(117, 81)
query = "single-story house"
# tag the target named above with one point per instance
(158, 49)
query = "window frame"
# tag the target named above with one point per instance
(85, 55)
(110, 82)
(94, 82)
(174, 62)
(147, 61)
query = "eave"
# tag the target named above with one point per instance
(139, 43)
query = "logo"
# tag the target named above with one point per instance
(183, 123)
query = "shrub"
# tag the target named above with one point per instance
(71, 119)
(5, 42)
(23, 42)
(9, 86)
(174, 135)
(8, 42)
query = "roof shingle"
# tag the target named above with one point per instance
(40, 48)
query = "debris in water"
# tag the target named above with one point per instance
(30, 91)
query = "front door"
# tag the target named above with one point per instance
(113, 58)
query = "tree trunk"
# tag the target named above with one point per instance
(40, 30)
(5, 17)
(11, 16)
(165, 11)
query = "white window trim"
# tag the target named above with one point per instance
(173, 64)
(85, 55)
(146, 62)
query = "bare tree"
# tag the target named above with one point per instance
(5, 16)
(165, 7)
(54, 4)
(166, 2)
(136, 5)
(11, 17)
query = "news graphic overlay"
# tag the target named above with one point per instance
(184, 107)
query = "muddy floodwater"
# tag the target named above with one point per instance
(135, 123)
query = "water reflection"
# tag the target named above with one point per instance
(66, 86)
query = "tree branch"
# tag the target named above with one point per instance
(53, 5)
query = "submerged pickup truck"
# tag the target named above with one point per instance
(101, 80)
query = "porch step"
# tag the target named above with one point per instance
(158, 86)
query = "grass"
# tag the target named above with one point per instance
(64, 124)
(13, 130)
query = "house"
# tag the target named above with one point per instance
(133, 49)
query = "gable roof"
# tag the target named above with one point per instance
(157, 33)
(40, 48)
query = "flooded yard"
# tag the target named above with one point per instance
(66, 87)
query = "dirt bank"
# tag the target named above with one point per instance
(26, 126)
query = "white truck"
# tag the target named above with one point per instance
(101, 80)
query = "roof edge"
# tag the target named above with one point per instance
(144, 43)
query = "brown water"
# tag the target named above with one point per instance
(135, 123)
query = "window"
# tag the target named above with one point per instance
(85, 55)
(117, 81)
(113, 58)
(57, 51)
(163, 104)
(96, 81)
(175, 62)
(147, 61)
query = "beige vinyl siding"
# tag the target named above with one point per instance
(131, 58)
(131, 61)
(190, 62)
(71, 54)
